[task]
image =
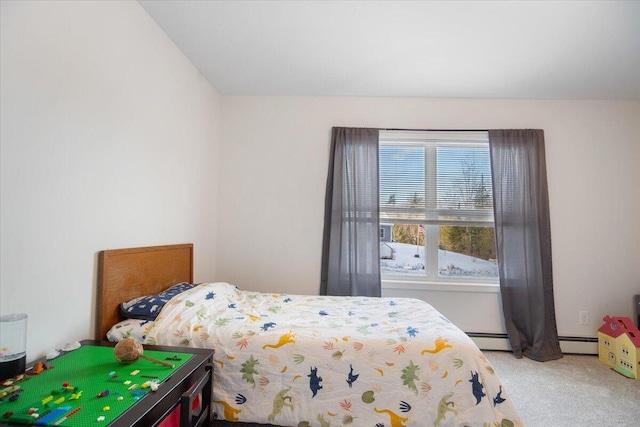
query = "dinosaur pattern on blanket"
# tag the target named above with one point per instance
(300, 360)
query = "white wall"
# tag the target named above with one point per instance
(272, 185)
(109, 139)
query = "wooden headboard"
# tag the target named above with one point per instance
(124, 274)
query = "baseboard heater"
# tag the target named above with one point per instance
(568, 345)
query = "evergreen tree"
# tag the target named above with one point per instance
(407, 233)
(416, 199)
(471, 192)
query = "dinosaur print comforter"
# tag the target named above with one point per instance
(294, 360)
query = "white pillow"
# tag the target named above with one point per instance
(129, 328)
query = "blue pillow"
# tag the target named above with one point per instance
(148, 307)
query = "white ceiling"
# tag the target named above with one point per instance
(470, 49)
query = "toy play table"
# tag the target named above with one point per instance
(87, 387)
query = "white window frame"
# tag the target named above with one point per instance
(432, 280)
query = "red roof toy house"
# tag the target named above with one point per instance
(619, 346)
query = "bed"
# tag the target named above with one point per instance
(302, 360)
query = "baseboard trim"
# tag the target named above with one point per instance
(568, 345)
(579, 345)
(490, 341)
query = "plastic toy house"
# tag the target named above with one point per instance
(619, 346)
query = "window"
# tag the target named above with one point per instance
(435, 191)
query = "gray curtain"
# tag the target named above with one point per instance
(351, 242)
(523, 240)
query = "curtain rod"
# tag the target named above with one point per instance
(436, 130)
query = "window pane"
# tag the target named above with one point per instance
(404, 252)
(467, 252)
(463, 251)
(464, 178)
(402, 173)
(435, 184)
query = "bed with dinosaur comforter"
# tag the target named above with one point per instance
(297, 360)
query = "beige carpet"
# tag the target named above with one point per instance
(575, 391)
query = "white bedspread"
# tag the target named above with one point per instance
(296, 360)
